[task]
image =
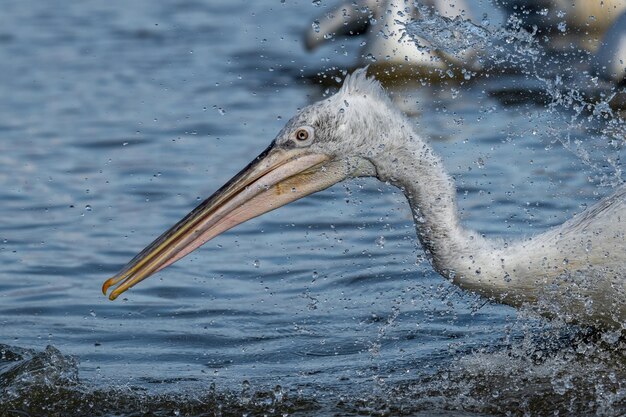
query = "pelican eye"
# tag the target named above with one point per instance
(302, 134)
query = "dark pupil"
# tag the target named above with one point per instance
(302, 135)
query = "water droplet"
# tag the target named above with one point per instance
(245, 392)
(381, 242)
(278, 393)
(256, 263)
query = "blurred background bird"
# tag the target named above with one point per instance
(597, 27)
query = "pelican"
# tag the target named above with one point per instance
(575, 271)
(382, 22)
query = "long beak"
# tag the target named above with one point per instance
(275, 178)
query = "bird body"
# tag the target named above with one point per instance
(575, 271)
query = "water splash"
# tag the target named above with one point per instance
(454, 36)
(47, 383)
(24, 369)
(544, 371)
(540, 370)
(562, 80)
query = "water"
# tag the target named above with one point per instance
(116, 118)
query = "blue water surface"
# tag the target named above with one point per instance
(117, 118)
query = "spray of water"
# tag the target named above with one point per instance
(563, 79)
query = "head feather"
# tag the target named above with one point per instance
(358, 83)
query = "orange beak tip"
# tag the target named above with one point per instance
(107, 284)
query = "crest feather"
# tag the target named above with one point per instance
(359, 83)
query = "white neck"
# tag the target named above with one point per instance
(461, 255)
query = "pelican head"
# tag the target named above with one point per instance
(344, 136)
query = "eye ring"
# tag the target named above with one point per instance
(302, 134)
